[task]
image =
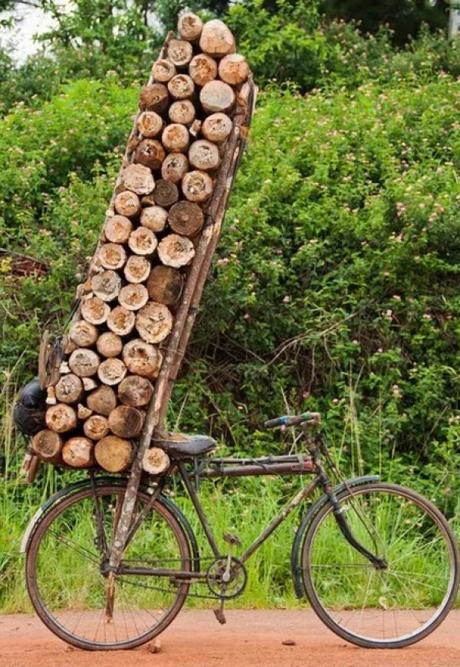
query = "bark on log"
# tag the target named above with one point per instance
(78, 452)
(216, 39)
(111, 371)
(234, 69)
(96, 427)
(150, 124)
(83, 334)
(68, 345)
(121, 321)
(142, 358)
(102, 400)
(155, 461)
(216, 127)
(84, 362)
(127, 203)
(106, 285)
(117, 229)
(135, 391)
(197, 186)
(142, 241)
(111, 255)
(202, 69)
(186, 218)
(83, 412)
(137, 269)
(182, 111)
(189, 26)
(204, 155)
(51, 396)
(113, 454)
(109, 345)
(154, 97)
(175, 138)
(217, 96)
(166, 193)
(163, 70)
(181, 87)
(165, 285)
(155, 217)
(47, 444)
(61, 418)
(69, 389)
(176, 251)
(154, 322)
(180, 52)
(174, 167)
(133, 297)
(126, 422)
(150, 153)
(94, 310)
(138, 179)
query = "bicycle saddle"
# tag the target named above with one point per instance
(181, 446)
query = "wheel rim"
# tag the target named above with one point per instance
(400, 604)
(69, 590)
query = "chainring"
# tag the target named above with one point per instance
(236, 584)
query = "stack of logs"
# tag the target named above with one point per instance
(113, 352)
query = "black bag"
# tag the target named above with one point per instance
(29, 410)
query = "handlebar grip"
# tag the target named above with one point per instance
(279, 421)
(294, 420)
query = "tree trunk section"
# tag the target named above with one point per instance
(94, 310)
(117, 229)
(174, 167)
(197, 186)
(166, 193)
(127, 203)
(112, 256)
(83, 334)
(126, 422)
(176, 251)
(217, 96)
(102, 400)
(78, 452)
(106, 285)
(142, 241)
(204, 155)
(135, 391)
(61, 418)
(133, 297)
(154, 217)
(150, 153)
(69, 389)
(217, 127)
(189, 26)
(121, 321)
(111, 371)
(155, 461)
(137, 269)
(142, 358)
(113, 454)
(84, 362)
(186, 218)
(202, 69)
(163, 70)
(175, 138)
(138, 179)
(233, 69)
(180, 52)
(182, 111)
(47, 445)
(109, 345)
(96, 427)
(181, 87)
(154, 97)
(164, 285)
(216, 39)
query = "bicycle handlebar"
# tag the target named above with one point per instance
(293, 420)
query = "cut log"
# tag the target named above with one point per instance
(94, 310)
(175, 138)
(138, 179)
(69, 389)
(154, 322)
(121, 321)
(83, 412)
(127, 203)
(109, 345)
(197, 186)
(83, 333)
(106, 285)
(217, 96)
(96, 427)
(165, 285)
(186, 218)
(68, 345)
(234, 69)
(189, 26)
(61, 418)
(195, 128)
(64, 368)
(166, 193)
(142, 241)
(111, 371)
(182, 111)
(47, 444)
(175, 250)
(216, 39)
(102, 400)
(113, 454)
(78, 452)
(180, 52)
(155, 461)
(202, 69)
(174, 167)
(51, 396)
(154, 98)
(141, 358)
(84, 362)
(133, 297)
(89, 384)
(181, 87)
(126, 421)
(204, 155)
(154, 217)
(135, 391)
(111, 255)
(150, 153)
(216, 127)
(150, 124)
(163, 70)
(137, 269)
(117, 229)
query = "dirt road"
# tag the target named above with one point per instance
(250, 639)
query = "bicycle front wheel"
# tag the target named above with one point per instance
(381, 608)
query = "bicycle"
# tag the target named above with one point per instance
(377, 562)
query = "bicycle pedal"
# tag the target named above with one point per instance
(219, 614)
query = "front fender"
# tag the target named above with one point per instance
(296, 568)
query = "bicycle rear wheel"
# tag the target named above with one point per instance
(381, 608)
(65, 572)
